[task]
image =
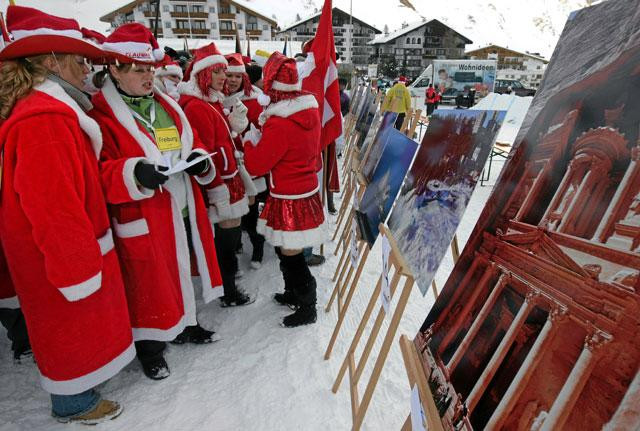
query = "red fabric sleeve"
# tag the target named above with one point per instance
(47, 179)
(260, 159)
(116, 172)
(202, 124)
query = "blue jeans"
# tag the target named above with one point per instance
(66, 406)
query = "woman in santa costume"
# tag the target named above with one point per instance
(168, 76)
(293, 217)
(239, 88)
(54, 225)
(201, 98)
(160, 221)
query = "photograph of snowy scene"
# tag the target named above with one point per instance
(371, 134)
(364, 114)
(386, 181)
(439, 185)
(371, 159)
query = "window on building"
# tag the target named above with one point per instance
(199, 25)
(408, 40)
(239, 26)
(441, 51)
(225, 8)
(265, 27)
(252, 22)
(197, 8)
(214, 26)
(182, 24)
(129, 17)
(180, 8)
(212, 9)
(226, 25)
(166, 8)
(167, 24)
(419, 41)
(413, 40)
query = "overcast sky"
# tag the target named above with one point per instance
(532, 25)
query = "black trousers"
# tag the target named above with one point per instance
(249, 224)
(13, 321)
(226, 242)
(298, 278)
(399, 121)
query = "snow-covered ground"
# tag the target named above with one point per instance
(260, 376)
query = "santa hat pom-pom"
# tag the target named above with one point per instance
(264, 99)
(158, 54)
(226, 111)
(234, 135)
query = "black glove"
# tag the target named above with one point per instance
(148, 176)
(199, 168)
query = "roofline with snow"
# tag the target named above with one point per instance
(537, 57)
(401, 32)
(317, 14)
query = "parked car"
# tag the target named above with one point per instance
(502, 86)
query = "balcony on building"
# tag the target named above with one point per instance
(189, 14)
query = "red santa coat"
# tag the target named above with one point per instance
(293, 216)
(149, 229)
(254, 109)
(58, 244)
(208, 120)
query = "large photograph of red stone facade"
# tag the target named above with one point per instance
(537, 327)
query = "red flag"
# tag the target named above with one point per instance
(322, 80)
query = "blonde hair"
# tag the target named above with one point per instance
(18, 77)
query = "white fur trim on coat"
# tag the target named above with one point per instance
(218, 194)
(235, 210)
(156, 334)
(88, 381)
(190, 88)
(288, 107)
(260, 184)
(136, 192)
(294, 240)
(87, 124)
(131, 229)
(80, 291)
(106, 242)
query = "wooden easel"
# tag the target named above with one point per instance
(417, 376)
(401, 269)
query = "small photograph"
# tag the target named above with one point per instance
(371, 158)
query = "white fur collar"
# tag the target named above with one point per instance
(87, 124)
(190, 88)
(288, 107)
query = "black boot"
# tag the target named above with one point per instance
(288, 298)
(330, 206)
(150, 355)
(226, 242)
(304, 289)
(249, 223)
(196, 335)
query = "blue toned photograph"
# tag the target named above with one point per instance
(372, 155)
(385, 183)
(439, 185)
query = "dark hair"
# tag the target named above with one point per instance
(100, 77)
(342, 81)
(442, 70)
(255, 72)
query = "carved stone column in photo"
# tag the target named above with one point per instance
(504, 346)
(521, 379)
(477, 323)
(566, 399)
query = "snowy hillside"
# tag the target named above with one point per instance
(520, 24)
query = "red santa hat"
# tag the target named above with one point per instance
(279, 77)
(93, 35)
(203, 58)
(34, 32)
(133, 43)
(168, 67)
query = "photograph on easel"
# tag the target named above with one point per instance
(372, 157)
(537, 325)
(439, 185)
(371, 133)
(387, 178)
(368, 114)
